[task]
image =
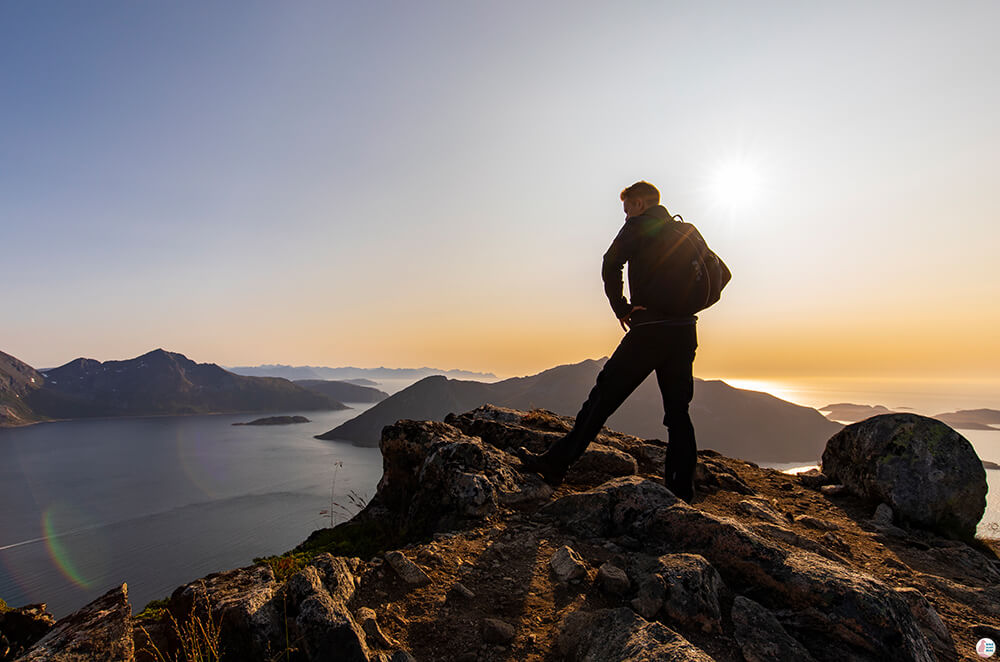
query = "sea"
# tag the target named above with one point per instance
(926, 397)
(158, 502)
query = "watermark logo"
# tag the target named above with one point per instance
(986, 648)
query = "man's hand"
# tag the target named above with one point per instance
(624, 321)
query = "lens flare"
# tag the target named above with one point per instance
(60, 552)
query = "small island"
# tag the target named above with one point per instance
(277, 420)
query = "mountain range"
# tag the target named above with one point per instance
(343, 391)
(963, 419)
(732, 421)
(302, 372)
(156, 383)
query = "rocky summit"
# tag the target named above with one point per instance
(462, 556)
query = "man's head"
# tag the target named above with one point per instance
(639, 197)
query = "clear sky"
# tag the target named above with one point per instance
(434, 183)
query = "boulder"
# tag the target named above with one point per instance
(567, 565)
(624, 636)
(366, 617)
(409, 572)
(928, 473)
(612, 579)
(761, 637)
(498, 632)
(100, 631)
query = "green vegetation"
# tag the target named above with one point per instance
(3, 606)
(154, 611)
(363, 539)
(284, 566)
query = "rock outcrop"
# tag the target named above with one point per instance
(21, 628)
(462, 556)
(100, 631)
(928, 473)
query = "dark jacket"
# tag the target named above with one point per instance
(652, 273)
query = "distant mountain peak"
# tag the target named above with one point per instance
(158, 382)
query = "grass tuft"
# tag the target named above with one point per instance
(198, 637)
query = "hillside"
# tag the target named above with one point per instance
(729, 420)
(18, 381)
(156, 383)
(342, 391)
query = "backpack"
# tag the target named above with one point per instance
(691, 275)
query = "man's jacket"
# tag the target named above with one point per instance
(655, 279)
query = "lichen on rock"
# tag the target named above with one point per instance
(927, 472)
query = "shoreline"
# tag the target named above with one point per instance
(8, 426)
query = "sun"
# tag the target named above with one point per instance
(735, 185)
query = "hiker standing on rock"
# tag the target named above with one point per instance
(672, 274)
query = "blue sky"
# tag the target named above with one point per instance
(434, 183)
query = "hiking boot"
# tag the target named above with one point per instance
(539, 464)
(681, 486)
(677, 477)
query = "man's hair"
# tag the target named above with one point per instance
(642, 191)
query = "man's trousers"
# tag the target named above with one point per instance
(655, 346)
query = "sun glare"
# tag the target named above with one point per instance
(735, 185)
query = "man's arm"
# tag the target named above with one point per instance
(621, 249)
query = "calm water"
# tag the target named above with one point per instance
(158, 502)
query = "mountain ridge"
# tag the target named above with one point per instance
(152, 384)
(17, 382)
(732, 421)
(349, 372)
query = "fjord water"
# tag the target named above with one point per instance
(156, 502)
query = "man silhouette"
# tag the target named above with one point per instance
(660, 336)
